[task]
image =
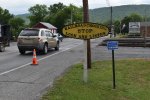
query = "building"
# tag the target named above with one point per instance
(141, 28)
(145, 29)
(46, 25)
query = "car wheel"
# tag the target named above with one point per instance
(22, 51)
(45, 49)
(61, 40)
(57, 46)
(2, 48)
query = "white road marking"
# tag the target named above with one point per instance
(37, 60)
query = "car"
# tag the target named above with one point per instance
(60, 37)
(37, 38)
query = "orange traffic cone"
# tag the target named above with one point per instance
(34, 60)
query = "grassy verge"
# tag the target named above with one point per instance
(132, 82)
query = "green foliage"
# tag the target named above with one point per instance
(55, 8)
(24, 17)
(17, 25)
(120, 14)
(60, 19)
(117, 26)
(56, 14)
(5, 16)
(60, 15)
(38, 13)
(101, 15)
(134, 17)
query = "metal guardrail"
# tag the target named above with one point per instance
(131, 42)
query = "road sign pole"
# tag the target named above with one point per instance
(113, 69)
(112, 45)
(85, 70)
(86, 19)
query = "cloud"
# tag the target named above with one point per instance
(126, 2)
(22, 6)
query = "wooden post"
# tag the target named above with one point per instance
(86, 19)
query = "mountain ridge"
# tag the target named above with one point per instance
(118, 12)
(101, 15)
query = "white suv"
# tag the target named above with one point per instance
(37, 38)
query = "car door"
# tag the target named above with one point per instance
(51, 40)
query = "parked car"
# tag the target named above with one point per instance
(5, 35)
(60, 37)
(37, 38)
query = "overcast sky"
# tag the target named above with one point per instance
(21, 6)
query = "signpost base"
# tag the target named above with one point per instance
(112, 45)
(85, 70)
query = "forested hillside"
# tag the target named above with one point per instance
(24, 17)
(101, 15)
(118, 12)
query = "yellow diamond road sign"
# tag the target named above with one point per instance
(85, 30)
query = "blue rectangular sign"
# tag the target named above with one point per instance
(111, 45)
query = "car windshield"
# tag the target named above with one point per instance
(29, 33)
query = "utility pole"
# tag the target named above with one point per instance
(111, 26)
(86, 19)
(71, 17)
(111, 16)
(145, 32)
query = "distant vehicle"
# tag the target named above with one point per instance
(4, 37)
(60, 37)
(37, 38)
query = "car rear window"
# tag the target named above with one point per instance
(29, 33)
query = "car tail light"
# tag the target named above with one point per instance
(18, 39)
(39, 39)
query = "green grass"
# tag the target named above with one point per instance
(132, 82)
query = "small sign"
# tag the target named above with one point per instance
(134, 27)
(85, 30)
(111, 45)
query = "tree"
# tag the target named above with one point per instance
(5, 16)
(59, 19)
(54, 11)
(76, 14)
(60, 15)
(38, 13)
(56, 14)
(117, 26)
(125, 24)
(134, 17)
(148, 19)
(17, 25)
(55, 8)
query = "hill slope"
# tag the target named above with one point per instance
(24, 17)
(101, 15)
(118, 12)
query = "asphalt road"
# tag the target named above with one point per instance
(19, 80)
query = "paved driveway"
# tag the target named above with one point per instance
(102, 53)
